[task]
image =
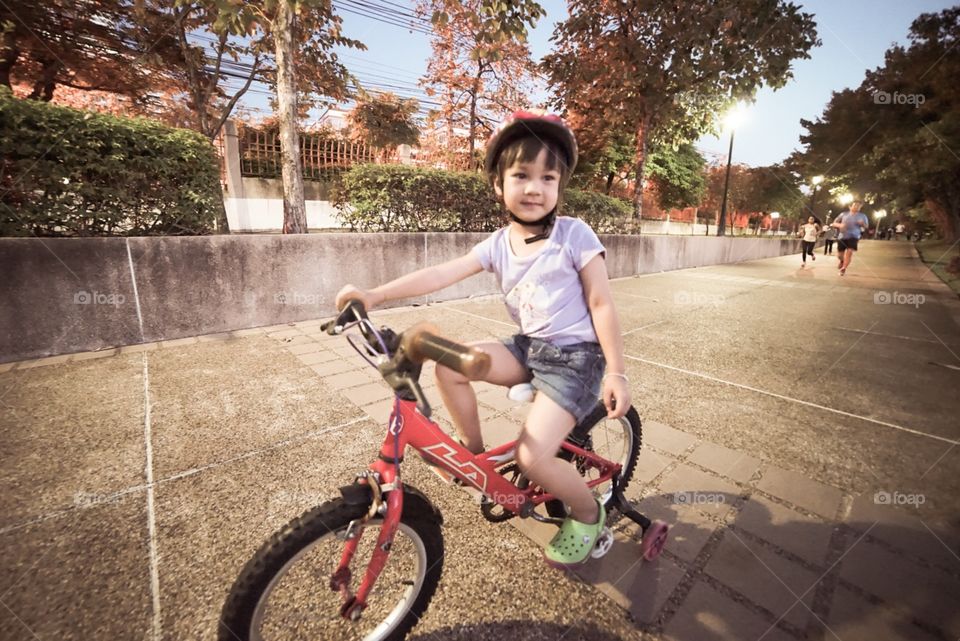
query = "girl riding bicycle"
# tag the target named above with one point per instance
(552, 272)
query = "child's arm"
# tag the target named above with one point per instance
(423, 281)
(596, 287)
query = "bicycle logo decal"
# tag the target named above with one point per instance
(476, 475)
(396, 424)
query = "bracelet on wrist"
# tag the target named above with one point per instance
(623, 376)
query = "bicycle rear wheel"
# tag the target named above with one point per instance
(284, 591)
(617, 440)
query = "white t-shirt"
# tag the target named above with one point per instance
(810, 232)
(543, 292)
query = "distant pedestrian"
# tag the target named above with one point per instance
(810, 232)
(900, 229)
(850, 226)
(829, 235)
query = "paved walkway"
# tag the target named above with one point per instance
(802, 445)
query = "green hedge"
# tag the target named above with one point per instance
(374, 198)
(66, 172)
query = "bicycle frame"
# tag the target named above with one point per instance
(409, 428)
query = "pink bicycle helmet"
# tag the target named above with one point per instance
(524, 123)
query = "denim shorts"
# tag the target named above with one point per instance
(570, 375)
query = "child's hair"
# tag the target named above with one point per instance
(526, 149)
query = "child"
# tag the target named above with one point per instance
(552, 272)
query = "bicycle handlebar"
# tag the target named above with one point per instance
(421, 342)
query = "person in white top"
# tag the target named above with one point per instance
(810, 232)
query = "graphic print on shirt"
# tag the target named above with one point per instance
(527, 303)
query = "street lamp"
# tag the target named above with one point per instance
(731, 121)
(776, 216)
(815, 181)
(845, 198)
(879, 214)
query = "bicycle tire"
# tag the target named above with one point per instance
(632, 429)
(264, 573)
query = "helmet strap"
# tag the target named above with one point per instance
(546, 222)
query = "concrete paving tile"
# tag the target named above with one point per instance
(685, 485)
(368, 393)
(306, 348)
(852, 618)
(379, 411)
(496, 398)
(179, 342)
(641, 587)
(664, 437)
(80, 576)
(726, 462)
(708, 615)
(482, 410)
(905, 528)
(296, 340)
(801, 491)
(689, 531)
(345, 380)
(930, 594)
(806, 537)
(253, 331)
(498, 431)
(650, 463)
(317, 357)
(333, 367)
(6, 367)
(769, 580)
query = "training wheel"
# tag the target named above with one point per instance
(653, 539)
(604, 543)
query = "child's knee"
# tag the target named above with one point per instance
(528, 456)
(446, 375)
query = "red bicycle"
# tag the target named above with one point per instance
(325, 575)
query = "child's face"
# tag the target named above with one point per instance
(530, 190)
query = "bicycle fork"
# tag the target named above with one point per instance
(353, 605)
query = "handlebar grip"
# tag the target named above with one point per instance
(422, 342)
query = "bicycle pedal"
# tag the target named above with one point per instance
(603, 545)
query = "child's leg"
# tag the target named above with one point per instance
(461, 402)
(547, 426)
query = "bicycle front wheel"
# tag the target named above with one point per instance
(284, 593)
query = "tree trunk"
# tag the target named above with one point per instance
(473, 117)
(43, 88)
(294, 208)
(610, 177)
(945, 218)
(639, 162)
(9, 52)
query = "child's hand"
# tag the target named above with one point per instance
(349, 292)
(616, 396)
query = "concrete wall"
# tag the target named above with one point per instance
(80, 294)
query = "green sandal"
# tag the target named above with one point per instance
(573, 543)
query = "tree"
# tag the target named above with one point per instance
(384, 121)
(903, 122)
(295, 34)
(480, 65)
(117, 46)
(678, 175)
(663, 70)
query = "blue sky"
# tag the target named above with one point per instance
(855, 34)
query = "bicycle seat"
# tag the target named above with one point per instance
(522, 393)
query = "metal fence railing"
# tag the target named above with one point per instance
(323, 158)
